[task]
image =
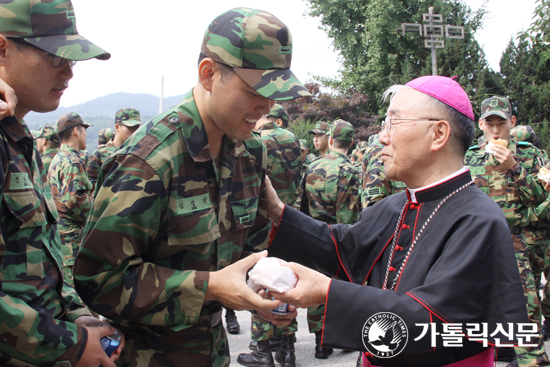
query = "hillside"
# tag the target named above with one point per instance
(100, 112)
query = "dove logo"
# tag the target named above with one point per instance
(385, 335)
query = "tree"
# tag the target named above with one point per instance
(525, 68)
(323, 106)
(375, 56)
(541, 23)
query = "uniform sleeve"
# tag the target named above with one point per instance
(77, 196)
(348, 203)
(531, 191)
(114, 272)
(376, 185)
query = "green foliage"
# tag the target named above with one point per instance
(322, 106)
(376, 56)
(541, 23)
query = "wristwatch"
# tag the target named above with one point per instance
(516, 170)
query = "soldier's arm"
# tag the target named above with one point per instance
(348, 202)
(78, 194)
(376, 185)
(525, 178)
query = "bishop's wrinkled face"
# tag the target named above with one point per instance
(407, 143)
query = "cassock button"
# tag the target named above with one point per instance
(413, 207)
(392, 268)
(398, 248)
(406, 226)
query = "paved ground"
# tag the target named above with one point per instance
(304, 346)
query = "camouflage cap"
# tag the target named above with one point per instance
(342, 130)
(362, 146)
(524, 133)
(320, 128)
(303, 144)
(279, 112)
(48, 132)
(49, 25)
(258, 46)
(68, 121)
(128, 117)
(36, 134)
(496, 105)
(105, 135)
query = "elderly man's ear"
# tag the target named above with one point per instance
(441, 133)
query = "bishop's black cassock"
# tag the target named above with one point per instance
(461, 270)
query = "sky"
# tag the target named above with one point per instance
(148, 42)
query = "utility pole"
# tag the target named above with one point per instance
(433, 32)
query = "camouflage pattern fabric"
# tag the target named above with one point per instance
(47, 158)
(333, 189)
(71, 192)
(376, 185)
(496, 105)
(524, 133)
(37, 308)
(164, 216)
(49, 25)
(49, 133)
(128, 117)
(284, 163)
(279, 112)
(264, 330)
(259, 48)
(315, 317)
(104, 136)
(85, 157)
(515, 194)
(99, 156)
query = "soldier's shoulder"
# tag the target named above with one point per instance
(474, 147)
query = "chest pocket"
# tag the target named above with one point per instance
(191, 229)
(244, 212)
(22, 252)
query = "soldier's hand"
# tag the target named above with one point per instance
(504, 156)
(94, 355)
(8, 100)
(228, 286)
(279, 320)
(311, 289)
(275, 206)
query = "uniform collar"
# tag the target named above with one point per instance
(68, 148)
(268, 126)
(195, 134)
(441, 188)
(14, 129)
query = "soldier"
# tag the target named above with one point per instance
(376, 185)
(509, 176)
(183, 199)
(284, 168)
(320, 137)
(332, 192)
(127, 121)
(70, 187)
(356, 156)
(51, 145)
(42, 321)
(304, 151)
(104, 136)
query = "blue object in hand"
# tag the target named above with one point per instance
(110, 343)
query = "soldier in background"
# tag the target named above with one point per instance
(332, 191)
(127, 121)
(357, 155)
(71, 189)
(104, 136)
(509, 177)
(284, 168)
(42, 321)
(51, 143)
(376, 185)
(180, 212)
(320, 137)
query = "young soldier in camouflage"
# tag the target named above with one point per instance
(509, 177)
(71, 189)
(284, 167)
(42, 322)
(127, 121)
(184, 198)
(376, 185)
(320, 137)
(332, 191)
(51, 145)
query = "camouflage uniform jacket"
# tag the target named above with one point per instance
(37, 309)
(284, 163)
(376, 185)
(514, 193)
(99, 156)
(165, 215)
(71, 189)
(333, 189)
(47, 158)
